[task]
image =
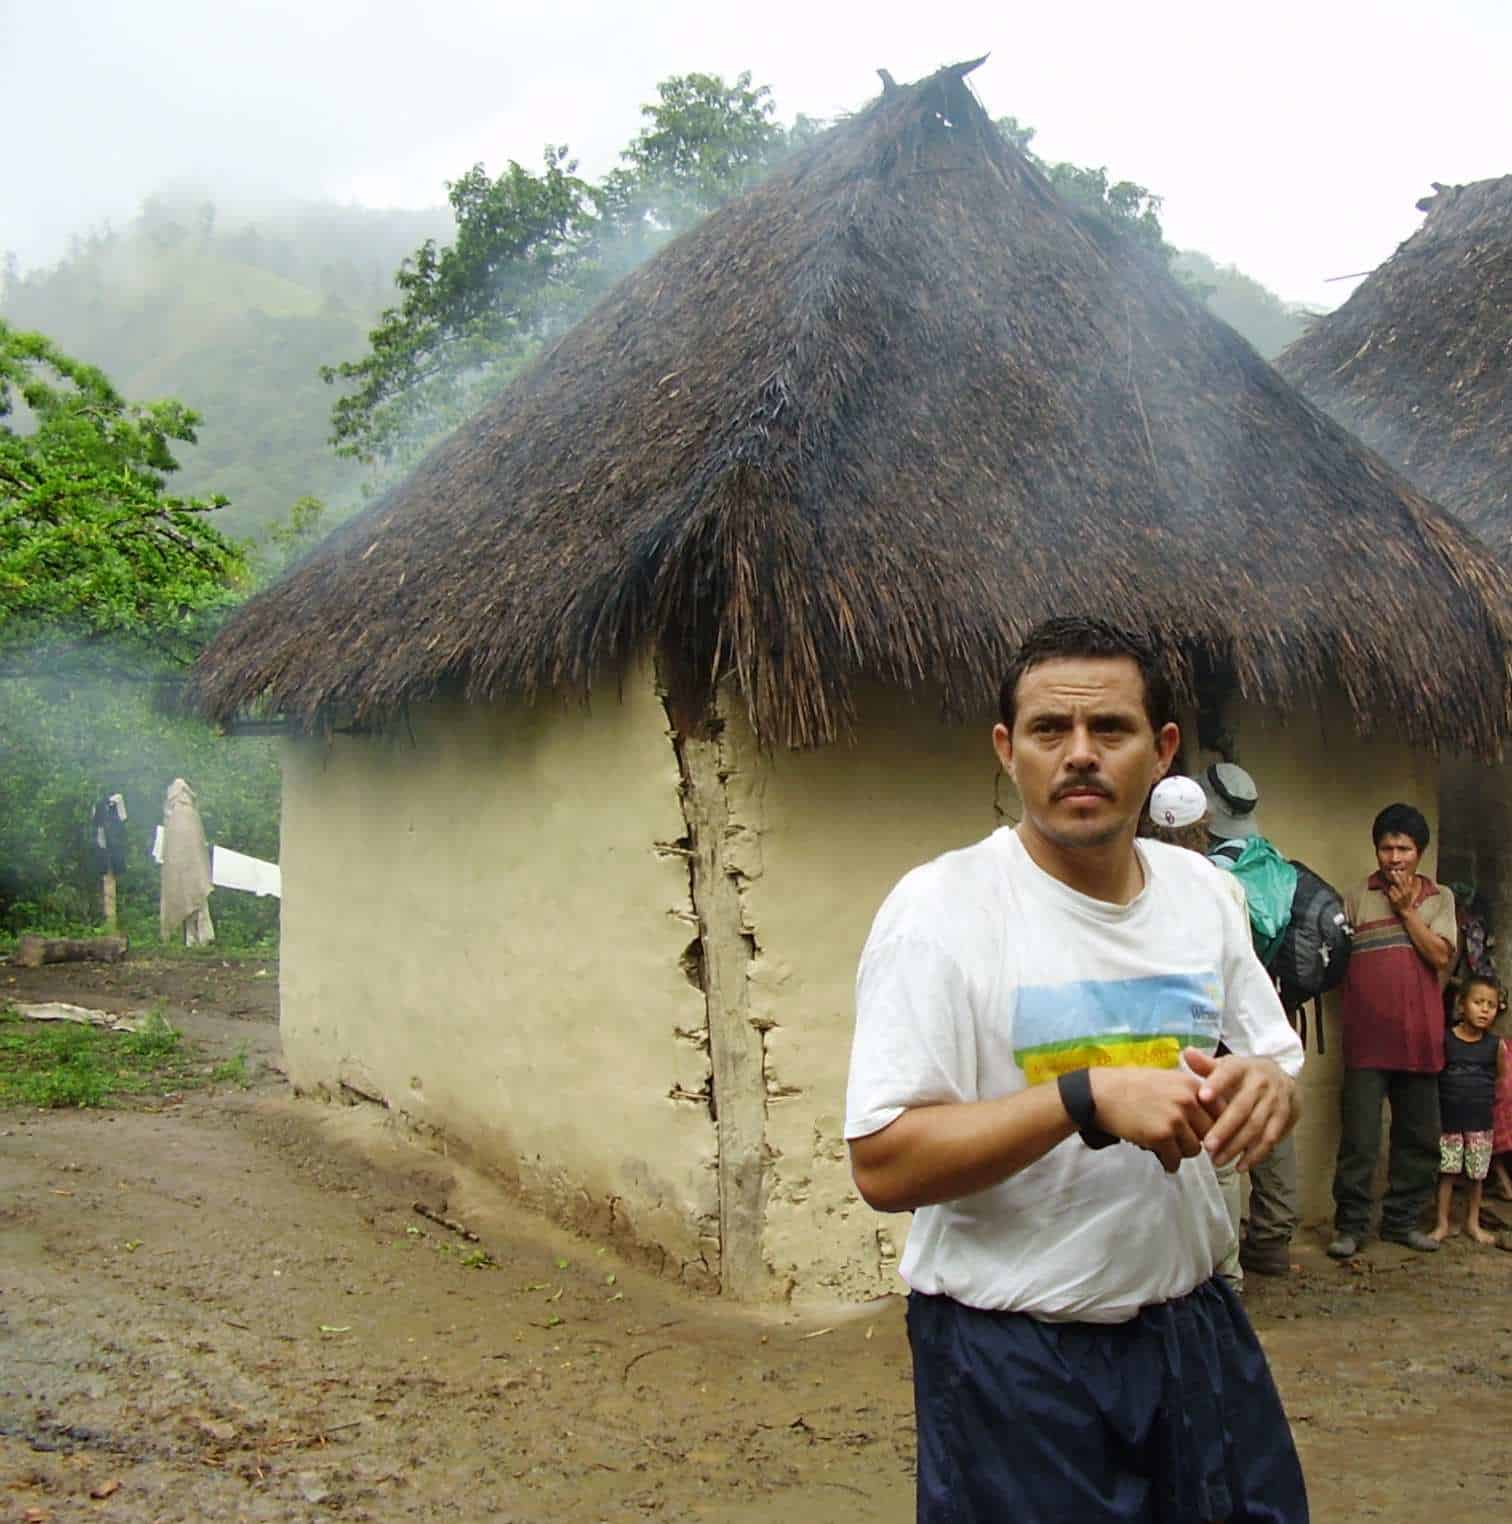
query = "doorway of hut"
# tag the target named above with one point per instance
(1475, 859)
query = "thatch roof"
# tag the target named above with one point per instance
(1418, 362)
(880, 416)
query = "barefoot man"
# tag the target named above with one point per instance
(1033, 1076)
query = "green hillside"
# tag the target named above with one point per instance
(235, 318)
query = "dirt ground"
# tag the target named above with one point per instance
(226, 1307)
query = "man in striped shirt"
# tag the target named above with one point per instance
(1404, 943)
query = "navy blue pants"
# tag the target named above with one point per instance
(1170, 1418)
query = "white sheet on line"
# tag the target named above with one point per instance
(235, 870)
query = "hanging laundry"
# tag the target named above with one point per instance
(184, 902)
(235, 870)
(107, 825)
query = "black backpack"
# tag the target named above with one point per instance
(1313, 954)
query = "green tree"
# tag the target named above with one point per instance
(702, 142)
(532, 253)
(1132, 208)
(66, 737)
(105, 576)
(89, 537)
(470, 312)
(285, 542)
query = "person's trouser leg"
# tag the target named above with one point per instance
(1170, 1417)
(1273, 1209)
(1412, 1168)
(1359, 1147)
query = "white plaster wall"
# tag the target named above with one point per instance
(1321, 785)
(824, 835)
(479, 929)
(821, 836)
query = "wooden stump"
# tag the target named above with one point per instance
(34, 951)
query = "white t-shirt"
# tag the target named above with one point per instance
(984, 975)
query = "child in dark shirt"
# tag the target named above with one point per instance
(1473, 1063)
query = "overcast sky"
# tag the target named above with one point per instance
(1290, 138)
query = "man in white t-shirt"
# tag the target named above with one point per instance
(1033, 1076)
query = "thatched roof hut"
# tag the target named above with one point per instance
(832, 451)
(1418, 361)
(876, 418)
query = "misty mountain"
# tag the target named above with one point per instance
(1243, 303)
(232, 314)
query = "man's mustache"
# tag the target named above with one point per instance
(1082, 786)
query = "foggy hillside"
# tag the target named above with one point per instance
(232, 313)
(1243, 303)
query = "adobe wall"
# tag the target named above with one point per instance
(823, 836)
(481, 931)
(488, 927)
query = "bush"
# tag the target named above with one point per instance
(66, 740)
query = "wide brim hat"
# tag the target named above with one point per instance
(1233, 801)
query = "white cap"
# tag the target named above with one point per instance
(1177, 802)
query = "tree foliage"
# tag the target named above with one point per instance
(235, 311)
(1132, 208)
(532, 252)
(65, 739)
(89, 536)
(474, 308)
(702, 141)
(106, 583)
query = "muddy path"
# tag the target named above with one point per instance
(225, 1306)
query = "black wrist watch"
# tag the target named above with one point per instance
(1076, 1096)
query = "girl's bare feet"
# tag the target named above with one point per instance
(1442, 1231)
(1480, 1235)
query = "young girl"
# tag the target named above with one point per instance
(1473, 1063)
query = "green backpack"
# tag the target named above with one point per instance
(1270, 884)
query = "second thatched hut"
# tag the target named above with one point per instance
(1418, 363)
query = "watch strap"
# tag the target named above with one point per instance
(1075, 1088)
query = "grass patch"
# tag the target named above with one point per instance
(234, 1071)
(241, 931)
(64, 1063)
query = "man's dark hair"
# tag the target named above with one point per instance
(1076, 636)
(1400, 820)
